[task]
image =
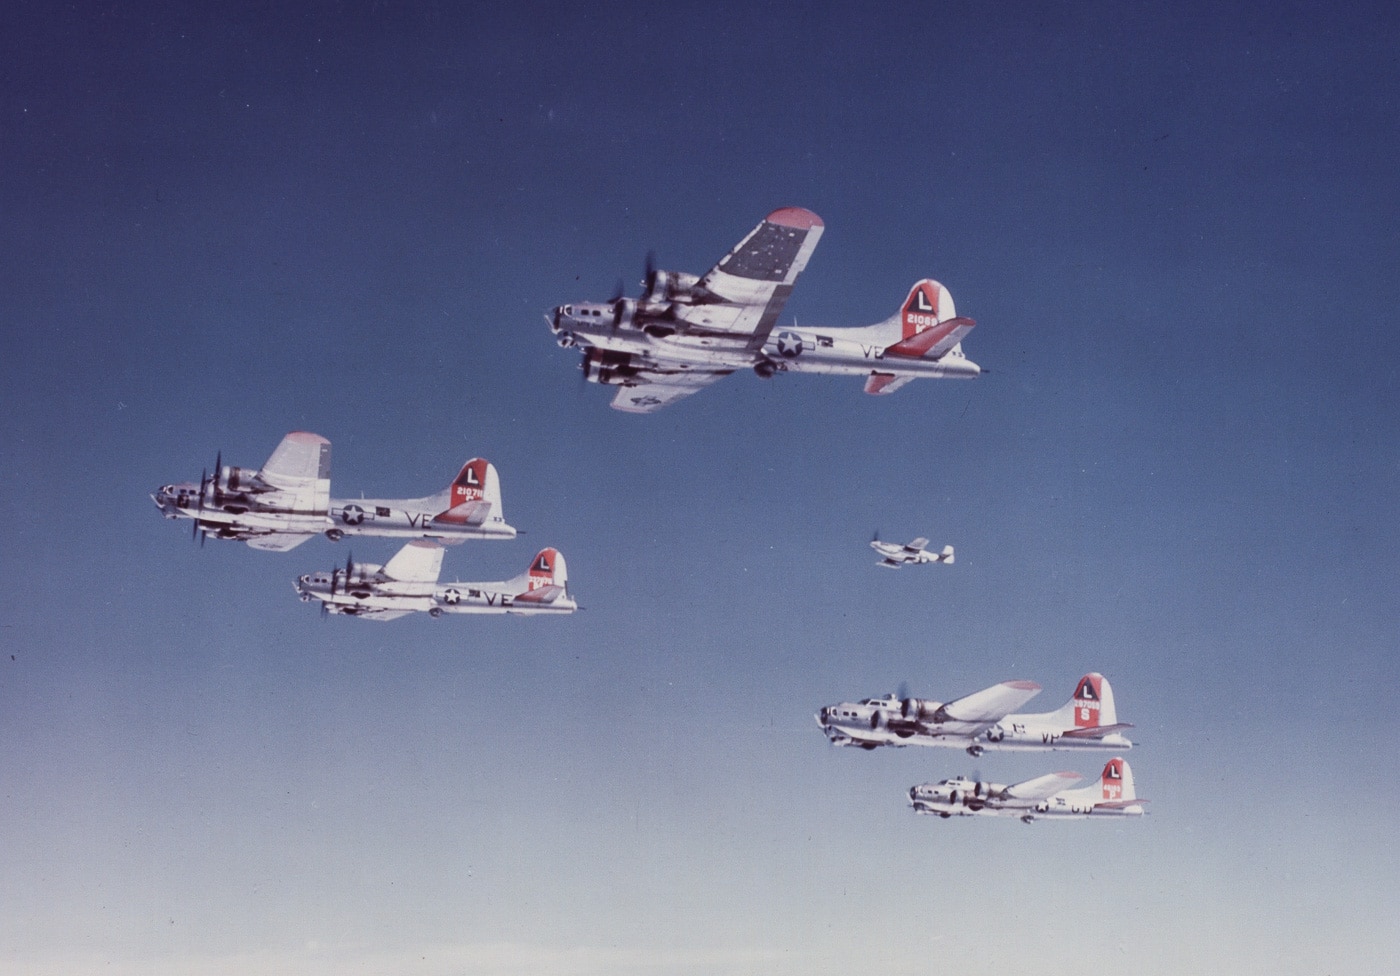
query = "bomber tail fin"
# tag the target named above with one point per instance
(1116, 782)
(545, 581)
(1091, 706)
(927, 324)
(474, 496)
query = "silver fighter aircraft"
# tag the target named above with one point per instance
(982, 720)
(409, 583)
(913, 553)
(686, 331)
(288, 500)
(1043, 798)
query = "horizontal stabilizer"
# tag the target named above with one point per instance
(878, 384)
(1118, 804)
(1096, 731)
(467, 513)
(933, 342)
(1042, 787)
(541, 594)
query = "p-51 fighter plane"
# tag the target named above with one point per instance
(686, 332)
(288, 500)
(1043, 798)
(982, 720)
(911, 553)
(409, 582)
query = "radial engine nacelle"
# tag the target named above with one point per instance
(672, 286)
(921, 710)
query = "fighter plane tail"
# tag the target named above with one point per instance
(474, 495)
(947, 555)
(927, 325)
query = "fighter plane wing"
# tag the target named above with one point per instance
(918, 545)
(417, 562)
(301, 466)
(991, 704)
(658, 389)
(1042, 787)
(278, 541)
(758, 274)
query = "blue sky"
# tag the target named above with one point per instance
(1175, 225)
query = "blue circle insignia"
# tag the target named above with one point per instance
(789, 344)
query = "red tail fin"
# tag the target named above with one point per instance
(928, 304)
(1088, 701)
(1113, 781)
(542, 570)
(470, 484)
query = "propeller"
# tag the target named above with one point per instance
(199, 510)
(903, 691)
(349, 568)
(617, 292)
(649, 281)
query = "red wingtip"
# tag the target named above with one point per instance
(795, 217)
(306, 437)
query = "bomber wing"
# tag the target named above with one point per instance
(278, 541)
(992, 704)
(417, 562)
(379, 613)
(1042, 787)
(758, 274)
(301, 466)
(656, 389)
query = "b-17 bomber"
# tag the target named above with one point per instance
(288, 500)
(982, 721)
(1046, 797)
(687, 331)
(408, 583)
